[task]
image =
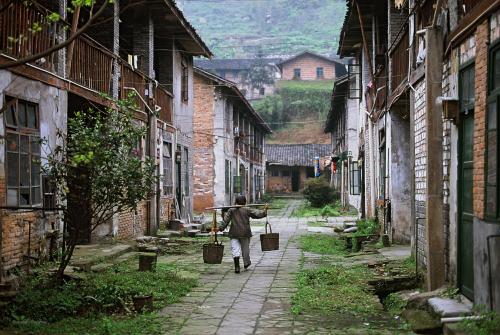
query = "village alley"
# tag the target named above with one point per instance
(258, 301)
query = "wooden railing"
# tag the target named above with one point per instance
(91, 66)
(133, 81)
(164, 101)
(399, 62)
(25, 32)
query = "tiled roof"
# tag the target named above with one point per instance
(295, 154)
(234, 64)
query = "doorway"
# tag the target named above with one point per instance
(465, 184)
(295, 180)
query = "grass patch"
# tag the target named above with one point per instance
(488, 324)
(103, 300)
(144, 324)
(332, 210)
(331, 290)
(315, 224)
(322, 244)
(394, 304)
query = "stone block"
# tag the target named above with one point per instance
(445, 307)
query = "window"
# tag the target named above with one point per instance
(355, 179)
(262, 91)
(492, 209)
(228, 177)
(286, 173)
(320, 73)
(185, 81)
(382, 165)
(22, 153)
(296, 73)
(354, 76)
(167, 169)
(275, 173)
(236, 184)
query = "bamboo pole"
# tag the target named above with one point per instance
(236, 206)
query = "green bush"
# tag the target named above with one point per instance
(367, 227)
(318, 192)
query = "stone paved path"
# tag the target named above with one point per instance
(256, 301)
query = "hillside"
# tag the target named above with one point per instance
(245, 28)
(297, 112)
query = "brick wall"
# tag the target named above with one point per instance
(204, 160)
(15, 237)
(133, 224)
(420, 169)
(481, 73)
(308, 65)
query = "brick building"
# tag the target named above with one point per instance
(237, 71)
(310, 66)
(133, 50)
(229, 140)
(289, 166)
(426, 86)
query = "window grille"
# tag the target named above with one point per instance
(354, 75)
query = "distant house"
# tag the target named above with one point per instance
(237, 71)
(290, 165)
(311, 66)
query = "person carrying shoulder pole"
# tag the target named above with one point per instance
(240, 232)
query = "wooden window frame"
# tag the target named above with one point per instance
(184, 80)
(354, 170)
(33, 137)
(297, 73)
(355, 91)
(320, 72)
(493, 97)
(168, 185)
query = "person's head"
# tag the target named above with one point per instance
(241, 200)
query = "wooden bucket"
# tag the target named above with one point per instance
(269, 241)
(213, 252)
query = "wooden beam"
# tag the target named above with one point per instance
(365, 45)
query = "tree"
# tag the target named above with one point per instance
(97, 172)
(259, 74)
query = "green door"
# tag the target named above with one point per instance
(465, 226)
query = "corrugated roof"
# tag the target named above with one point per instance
(295, 154)
(234, 63)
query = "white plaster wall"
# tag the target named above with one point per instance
(220, 104)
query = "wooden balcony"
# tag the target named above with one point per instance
(91, 66)
(399, 63)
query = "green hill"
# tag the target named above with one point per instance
(245, 28)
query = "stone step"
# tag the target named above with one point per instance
(101, 267)
(170, 233)
(7, 295)
(447, 308)
(87, 256)
(453, 329)
(422, 322)
(193, 232)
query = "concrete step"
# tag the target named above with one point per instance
(447, 308)
(7, 295)
(453, 329)
(101, 267)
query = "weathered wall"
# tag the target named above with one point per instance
(486, 283)
(52, 103)
(400, 178)
(420, 170)
(307, 65)
(183, 120)
(203, 144)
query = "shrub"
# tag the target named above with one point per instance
(318, 192)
